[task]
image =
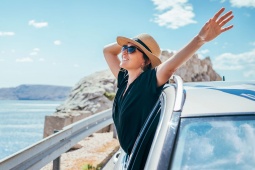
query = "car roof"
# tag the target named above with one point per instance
(218, 98)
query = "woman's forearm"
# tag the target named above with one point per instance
(111, 52)
(185, 53)
(112, 48)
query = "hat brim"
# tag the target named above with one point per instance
(155, 61)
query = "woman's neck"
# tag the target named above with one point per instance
(133, 74)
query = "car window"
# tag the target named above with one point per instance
(215, 143)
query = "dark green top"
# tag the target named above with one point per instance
(131, 110)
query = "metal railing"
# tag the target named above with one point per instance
(50, 148)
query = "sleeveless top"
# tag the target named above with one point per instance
(131, 110)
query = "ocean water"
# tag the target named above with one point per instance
(22, 123)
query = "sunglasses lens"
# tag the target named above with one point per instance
(124, 47)
(131, 49)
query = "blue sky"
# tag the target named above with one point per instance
(60, 42)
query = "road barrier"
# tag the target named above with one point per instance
(50, 148)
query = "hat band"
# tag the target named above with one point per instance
(140, 42)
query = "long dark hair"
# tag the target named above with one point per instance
(147, 60)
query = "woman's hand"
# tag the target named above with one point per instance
(214, 26)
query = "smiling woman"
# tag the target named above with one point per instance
(140, 88)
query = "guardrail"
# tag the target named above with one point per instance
(48, 149)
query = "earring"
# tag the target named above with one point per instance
(142, 67)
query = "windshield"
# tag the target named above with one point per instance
(215, 143)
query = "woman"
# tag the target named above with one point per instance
(141, 75)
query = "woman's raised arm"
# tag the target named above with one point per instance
(209, 31)
(111, 52)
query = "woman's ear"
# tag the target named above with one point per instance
(147, 62)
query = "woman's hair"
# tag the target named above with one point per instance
(147, 60)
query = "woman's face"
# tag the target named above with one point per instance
(132, 61)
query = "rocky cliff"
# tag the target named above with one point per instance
(94, 93)
(194, 69)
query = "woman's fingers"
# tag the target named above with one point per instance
(226, 28)
(216, 16)
(226, 20)
(222, 18)
(221, 21)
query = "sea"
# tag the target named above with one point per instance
(22, 123)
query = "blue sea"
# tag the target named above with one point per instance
(22, 123)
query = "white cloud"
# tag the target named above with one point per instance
(36, 49)
(173, 13)
(57, 42)
(242, 3)
(243, 61)
(238, 139)
(4, 34)
(37, 24)
(202, 53)
(41, 59)
(33, 53)
(205, 51)
(250, 73)
(229, 61)
(23, 60)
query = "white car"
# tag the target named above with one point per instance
(199, 125)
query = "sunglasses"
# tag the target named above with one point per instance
(130, 49)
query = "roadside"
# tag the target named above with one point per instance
(109, 165)
(96, 151)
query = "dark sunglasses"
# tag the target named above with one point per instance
(130, 49)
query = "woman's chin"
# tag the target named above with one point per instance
(123, 65)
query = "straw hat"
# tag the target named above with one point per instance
(147, 44)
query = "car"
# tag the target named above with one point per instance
(197, 125)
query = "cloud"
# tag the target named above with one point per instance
(23, 60)
(243, 61)
(34, 52)
(202, 53)
(57, 42)
(37, 24)
(36, 49)
(250, 73)
(173, 13)
(4, 34)
(233, 147)
(41, 59)
(205, 51)
(242, 3)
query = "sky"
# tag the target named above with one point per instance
(60, 42)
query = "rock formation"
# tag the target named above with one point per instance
(194, 69)
(94, 93)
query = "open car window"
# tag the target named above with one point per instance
(215, 143)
